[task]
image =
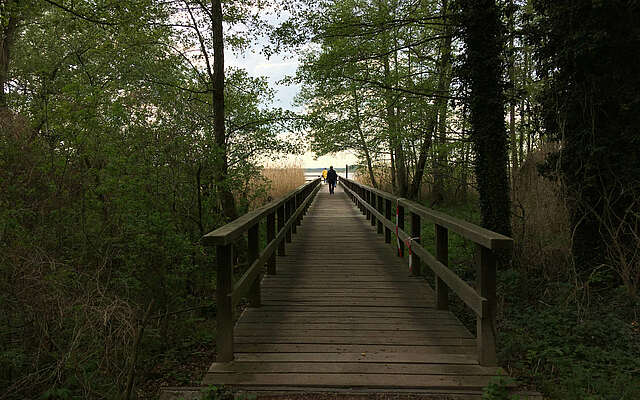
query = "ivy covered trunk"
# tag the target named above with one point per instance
(483, 35)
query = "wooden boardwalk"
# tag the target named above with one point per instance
(343, 312)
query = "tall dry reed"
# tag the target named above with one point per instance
(275, 182)
(540, 218)
(283, 179)
(382, 174)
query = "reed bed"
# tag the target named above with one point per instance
(284, 179)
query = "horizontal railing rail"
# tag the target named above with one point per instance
(378, 207)
(287, 212)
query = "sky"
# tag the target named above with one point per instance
(275, 68)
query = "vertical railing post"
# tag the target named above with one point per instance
(294, 206)
(299, 200)
(401, 227)
(415, 233)
(372, 202)
(224, 307)
(287, 216)
(271, 235)
(281, 222)
(442, 255)
(486, 324)
(379, 208)
(387, 215)
(367, 196)
(253, 239)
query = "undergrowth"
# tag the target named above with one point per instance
(563, 337)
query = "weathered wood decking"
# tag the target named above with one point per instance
(343, 312)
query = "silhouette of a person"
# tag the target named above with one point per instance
(332, 178)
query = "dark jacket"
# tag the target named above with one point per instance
(332, 177)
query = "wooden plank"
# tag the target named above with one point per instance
(376, 357)
(263, 314)
(258, 330)
(354, 301)
(321, 327)
(351, 368)
(383, 320)
(352, 380)
(362, 323)
(363, 340)
(410, 291)
(342, 308)
(269, 283)
(350, 348)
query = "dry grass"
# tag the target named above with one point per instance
(382, 174)
(540, 219)
(281, 180)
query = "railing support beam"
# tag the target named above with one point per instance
(271, 235)
(379, 208)
(415, 232)
(486, 324)
(442, 255)
(387, 215)
(281, 223)
(401, 227)
(224, 307)
(253, 239)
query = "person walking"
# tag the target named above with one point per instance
(324, 175)
(332, 178)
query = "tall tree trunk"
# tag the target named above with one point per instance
(483, 35)
(414, 190)
(395, 139)
(393, 167)
(512, 95)
(363, 142)
(199, 193)
(221, 169)
(444, 83)
(6, 42)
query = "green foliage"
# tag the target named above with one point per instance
(498, 389)
(569, 347)
(217, 393)
(106, 186)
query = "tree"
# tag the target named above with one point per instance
(591, 103)
(483, 35)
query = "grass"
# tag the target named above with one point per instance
(282, 180)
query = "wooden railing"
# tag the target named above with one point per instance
(288, 211)
(379, 206)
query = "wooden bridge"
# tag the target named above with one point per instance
(338, 309)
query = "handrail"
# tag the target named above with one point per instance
(482, 299)
(234, 229)
(289, 211)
